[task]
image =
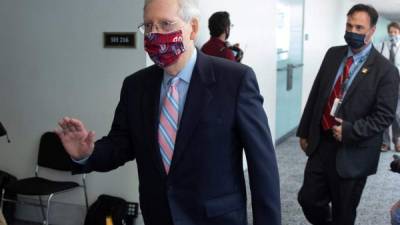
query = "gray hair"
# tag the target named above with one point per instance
(188, 9)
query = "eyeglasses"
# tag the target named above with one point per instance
(162, 27)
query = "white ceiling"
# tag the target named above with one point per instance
(387, 8)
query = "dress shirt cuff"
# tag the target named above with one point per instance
(82, 161)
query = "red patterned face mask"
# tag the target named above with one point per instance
(164, 49)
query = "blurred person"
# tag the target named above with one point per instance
(2, 219)
(220, 25)
(390, 49)
(395, 209)
(352, 101)
(395, 213)
(186, 121)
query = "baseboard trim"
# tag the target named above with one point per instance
(286, 136)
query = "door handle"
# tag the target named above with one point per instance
(289, 77)
(297, 65)
(281, 69)
(289, 73)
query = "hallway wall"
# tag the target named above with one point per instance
(381, 30)
(52, 64)
(324, 32)
(254, 29)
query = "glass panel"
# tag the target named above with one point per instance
(289, 64)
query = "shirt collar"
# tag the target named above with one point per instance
(216, 39)
(360, 56)
(186, 73)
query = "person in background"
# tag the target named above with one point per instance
(187, 121)
(2, 219)
(395, 213)
(352, 101)
(395, 209)
(220, 28)
(390, 49)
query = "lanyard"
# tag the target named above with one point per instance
(355, 67)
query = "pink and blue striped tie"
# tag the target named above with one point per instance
(168, 125)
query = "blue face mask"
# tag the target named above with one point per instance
(354, 40)
(395, 38)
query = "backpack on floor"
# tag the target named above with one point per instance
(104, 208)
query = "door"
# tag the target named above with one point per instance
(289, 66)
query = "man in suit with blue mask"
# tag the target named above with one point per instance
(352, 101)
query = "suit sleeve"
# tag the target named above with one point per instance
(308, 113)
(382, 114)
(114, 149)
(262, 166)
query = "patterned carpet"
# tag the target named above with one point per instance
(381, 191)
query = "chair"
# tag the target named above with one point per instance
(51, 155)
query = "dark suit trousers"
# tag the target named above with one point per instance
(325, 197)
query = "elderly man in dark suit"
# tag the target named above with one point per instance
(186, 121)
(352, 101)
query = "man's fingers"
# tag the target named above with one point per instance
(334, 131)
(71, 125)
(339, 120)
(59, 132)
(303, 144)
(62, 124)
(77, 124)
(90, 138)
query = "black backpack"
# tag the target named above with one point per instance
(8, 208)
(104, 206)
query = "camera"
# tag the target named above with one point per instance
(237, 52)
(395, 164)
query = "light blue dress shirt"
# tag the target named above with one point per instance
(358, 61)
(185, 75)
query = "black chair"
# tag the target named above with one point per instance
(51, 155)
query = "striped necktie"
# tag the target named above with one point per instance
(392, 53)
(327, 120)
(168, 125)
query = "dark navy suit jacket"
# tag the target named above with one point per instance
(367, 110)
(223, 115)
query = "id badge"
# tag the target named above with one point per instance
(336, 107)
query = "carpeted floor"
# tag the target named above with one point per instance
(381, 190)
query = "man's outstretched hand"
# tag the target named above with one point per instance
(77, 140)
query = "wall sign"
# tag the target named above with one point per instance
(119, 39)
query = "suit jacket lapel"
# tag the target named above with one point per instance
(150, 109)
(197, 98)
(361, 74)
(332, 68)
